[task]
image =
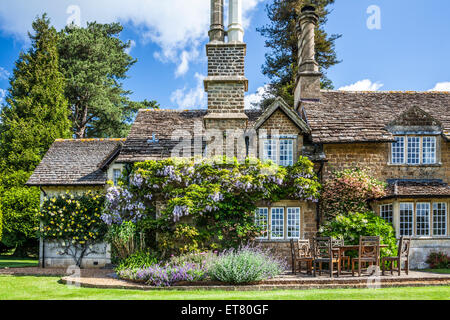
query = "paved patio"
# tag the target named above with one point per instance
(101, 278)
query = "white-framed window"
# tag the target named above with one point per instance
(387, 212)
(117, 173)
(406, 219)
(439, 219)
(280, 151)
(262, 220)
(398, 150)
(286, 152)
(414, 150)
(429, 150)
(423, 219)
(293, 223)
(270, 150)
(277, 223)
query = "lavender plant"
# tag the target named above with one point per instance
(245, 265)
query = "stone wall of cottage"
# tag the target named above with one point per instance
(375, 157)
(308, 227)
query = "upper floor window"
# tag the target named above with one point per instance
(414, 150)
(280, 151)
(117, 173)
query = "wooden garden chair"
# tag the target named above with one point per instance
(301, 254)
(403, 256)
(344, 259)
(369, 253)
(323, 253)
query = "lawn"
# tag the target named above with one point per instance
(443, 271)
(48, 288)
(14, 262)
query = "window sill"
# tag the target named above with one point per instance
(436, 165)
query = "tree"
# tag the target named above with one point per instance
(281, 64)
(35, 115)
(94, 61)
(36, 112)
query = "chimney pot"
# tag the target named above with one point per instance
(217, 30)
(235, 29)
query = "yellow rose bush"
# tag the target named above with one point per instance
(75, 222)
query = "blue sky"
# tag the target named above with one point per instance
(409, 51)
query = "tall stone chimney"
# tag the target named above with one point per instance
(217, 30)
(226, 83)
(308, 78)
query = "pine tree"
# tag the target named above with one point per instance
(282, 61)
(36, 112)
(94, 62)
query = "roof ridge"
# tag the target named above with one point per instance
(91, 140)
(388, 91)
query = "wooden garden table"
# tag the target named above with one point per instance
(343, 249)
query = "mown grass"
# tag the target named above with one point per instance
(14, 262)
(441, 271)
(49, 288)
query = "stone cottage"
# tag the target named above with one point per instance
(402, 137)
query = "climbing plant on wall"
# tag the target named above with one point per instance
(194, 204)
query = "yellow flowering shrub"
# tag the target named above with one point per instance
(74, 218)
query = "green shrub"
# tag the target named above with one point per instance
(352, 226)
(245, 265)
(19, 206)
(1, 222)
(438, 260)
(200, 259)
(124, 240)
(349, 191)
(138, 260)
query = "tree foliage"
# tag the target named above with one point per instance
(75, 221)
(350, 191)
(20, 205)
(281, 64)
(95, 62)
(208, 203)
(36, 112)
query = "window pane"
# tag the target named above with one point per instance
(429, 150)
(277, 224)
(270, 150)
(413, 150)
(286, 152)
(423, 219)
(262, 217)
(398, 150)
(386, 212)
(439, 219)
(293, 223)
(406, 219)
(116, 176)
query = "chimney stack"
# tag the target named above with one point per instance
(235, 29)
(308, 78)
(217, 30)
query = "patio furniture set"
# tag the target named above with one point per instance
(332, 252)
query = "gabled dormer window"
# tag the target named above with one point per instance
(280, 151)
(414, 150)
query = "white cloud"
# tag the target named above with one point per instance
(363, 85)
(178, 27)
(441, 86)
(2, 95)
(4, 74)
(194, 98)
(255, 98)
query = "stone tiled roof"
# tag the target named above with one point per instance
(151, 134)
(76, 162)
(417, 189)
(342, 116)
